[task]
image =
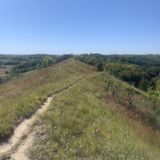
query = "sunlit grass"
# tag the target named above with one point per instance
(20, 97)
(81, 125)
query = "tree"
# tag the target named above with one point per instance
(100, 66)
(47, 61)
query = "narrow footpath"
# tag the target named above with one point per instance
(22, 139)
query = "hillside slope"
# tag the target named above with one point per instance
(82, 123)
(99, 117)
(20, 97)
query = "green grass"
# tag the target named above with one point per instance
(83, 122)
(80, 124)
(20, 97)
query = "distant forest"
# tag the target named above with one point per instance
(141, 71)
(14, 65)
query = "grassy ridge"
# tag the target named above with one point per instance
(20, 97)
(138, 103)
(81, 125)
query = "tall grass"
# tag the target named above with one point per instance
(80, 125)
(20, 97)
(139, 103)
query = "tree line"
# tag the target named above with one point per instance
(142, 71)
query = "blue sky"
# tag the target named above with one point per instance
(79, 26)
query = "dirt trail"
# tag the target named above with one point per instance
(23, 130)
(24, 134)
(21, 153)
